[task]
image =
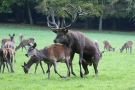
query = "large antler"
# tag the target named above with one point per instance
(52, 24)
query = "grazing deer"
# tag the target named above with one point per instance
(127, 46)
(107, 46)
(6, 55)
(3, 41)
(50, 55)
(10, 44)
(31, 61)
(76, 41)
(21, 37)
(24, 43)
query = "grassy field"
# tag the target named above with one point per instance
(116, 70)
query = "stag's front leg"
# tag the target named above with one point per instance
(36, 66)
(80, 63)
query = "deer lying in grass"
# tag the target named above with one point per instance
(24, 43)
(3, 41)
(107, 46)
(127, 46)
(31, 61)
(6, 55)
(50, 55)
(21, 37)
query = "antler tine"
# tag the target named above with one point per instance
(70, 15)
(52, 25)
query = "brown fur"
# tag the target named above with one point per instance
(50, 55)
(24, 43)
(107, 46)
(30, 62)
(127, 46)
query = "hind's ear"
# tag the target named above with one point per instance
(22, 66)
(34, 45)
(24, 63)
(13, 34)
(9, 35)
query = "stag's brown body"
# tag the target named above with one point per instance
(50, 55)
(127, 46)
(30, 62)
(107, 46)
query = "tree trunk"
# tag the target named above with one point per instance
(86, 23)
(29, 13)
(100, 22)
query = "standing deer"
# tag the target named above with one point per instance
(21, 37)
(50, 55)
(75, 40)
(107, 46)
(10, 44)
(31, 61)
(24, 43)
(6, 55)
(3, 41)
(127, 46)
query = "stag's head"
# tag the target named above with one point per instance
(61, 29)
(31, 50)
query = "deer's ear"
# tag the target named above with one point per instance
(9, 35)
(24, 63)
(55, 31)
(34, 45)
(22, 66)
(13, 34)
(65, 31)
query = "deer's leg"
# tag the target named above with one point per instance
(130, 49)
(11, 66)
(55, 69)
(48, 71)
(80, 62)
(70, 63)
(36, 66)
(7, 66)
(68, 67)
(85, 67)
(3, 67)
(42, 67)
(25, 48)
(50, 67)
(14, 57)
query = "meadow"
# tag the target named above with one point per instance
(116, 70)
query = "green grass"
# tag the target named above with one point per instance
(116, 70)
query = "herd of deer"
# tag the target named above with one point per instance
(71, 42)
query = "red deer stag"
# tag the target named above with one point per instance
(127, 46)
(107, 46)
(50, 55)
(75, 40)
(6, 55)
(10, 44)
(31, 61)
(24, 43)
